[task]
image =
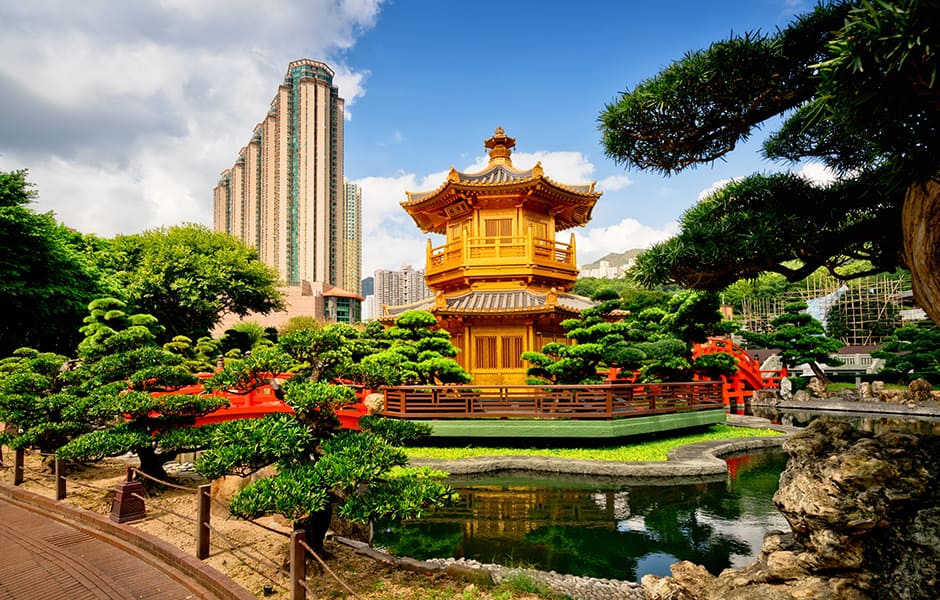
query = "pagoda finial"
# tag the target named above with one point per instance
(500, 146)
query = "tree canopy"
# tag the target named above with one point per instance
(188, 277)
(651, 344)
(800, 339)
(856, 83)
(47, 277)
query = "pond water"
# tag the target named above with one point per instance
(879, 423)
(597, 528)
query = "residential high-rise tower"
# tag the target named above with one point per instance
(285, 194)
(352, 242)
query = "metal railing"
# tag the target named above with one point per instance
(609, 401)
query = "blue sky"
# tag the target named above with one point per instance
(126, 113)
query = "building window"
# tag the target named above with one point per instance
(485, 356)
(501, 228)
(511, 351)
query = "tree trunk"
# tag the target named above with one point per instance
(920, 228)
(818, 372)
(151, 463)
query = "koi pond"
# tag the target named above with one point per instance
(600, 527)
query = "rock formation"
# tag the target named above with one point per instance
(865, 517)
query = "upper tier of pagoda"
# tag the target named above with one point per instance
(500, 225)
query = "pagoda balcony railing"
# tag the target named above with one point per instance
(606, 401)
(523, 251)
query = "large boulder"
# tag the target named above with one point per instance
(921, 390)
(864, 512)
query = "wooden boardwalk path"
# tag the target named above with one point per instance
(44, 556)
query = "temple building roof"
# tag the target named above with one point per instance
(571, 203)
(493, 302)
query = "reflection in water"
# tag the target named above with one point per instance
(598, 529)
(862, 421)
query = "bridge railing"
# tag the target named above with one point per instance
(607, 401)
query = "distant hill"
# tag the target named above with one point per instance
(368, 286)
(615, 259)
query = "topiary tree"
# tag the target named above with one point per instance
(123, 383)
(655, 342)
(855, 83)
(416, 351)
(320, 470)
(912, 351)
(34, 404)
(800, 338)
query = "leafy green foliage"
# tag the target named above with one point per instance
(188, 276)
(277, 438)
(416, 351)
(855, 83)
(800, 339)
(654, 341)
(197, 358)
(395, 431)
(113, 400)
(33, 399)
(318, 467)
(48, 274)
(912, 351)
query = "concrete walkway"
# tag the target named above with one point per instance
(51, 550)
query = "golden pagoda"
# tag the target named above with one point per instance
(501, 279)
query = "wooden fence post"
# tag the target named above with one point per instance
(127, 504)
(59, 480)
(298, 565)
(203, 496)
(18, 466)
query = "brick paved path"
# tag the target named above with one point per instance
(44, 558)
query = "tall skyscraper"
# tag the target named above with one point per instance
(352, 243)
(285, 194)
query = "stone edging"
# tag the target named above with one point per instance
(169, 558)
(686, 462)
(922, 409)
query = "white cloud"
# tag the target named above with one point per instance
(818, 173)
(614, 183)
(596, 242)
(390, 236)
(714, 188)
(125, 113)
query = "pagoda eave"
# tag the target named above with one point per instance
(431, 212)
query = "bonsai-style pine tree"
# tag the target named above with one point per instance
(856, 85)
(912, 351)
(651, 345)
(320, 470)
(416, 351)
(34, 405)
(116, 383)
(800, 339)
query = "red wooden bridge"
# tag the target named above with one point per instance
(749, 377)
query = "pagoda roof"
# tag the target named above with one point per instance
(494, 302)
(571, 203)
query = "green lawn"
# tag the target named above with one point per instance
(648, 450)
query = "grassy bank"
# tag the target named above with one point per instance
(645, 450)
